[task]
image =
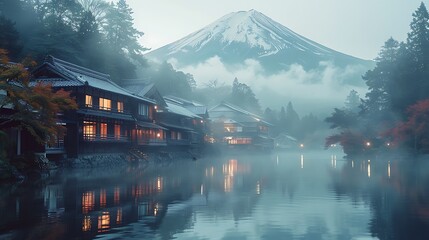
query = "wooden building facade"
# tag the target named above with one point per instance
(238, 128)
(108, 119)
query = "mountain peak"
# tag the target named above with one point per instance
(246, 34)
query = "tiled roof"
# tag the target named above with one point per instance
(200, 110)
(169, 125)
(182, 101)
(177, 109)
(75, 75)
(236, 113)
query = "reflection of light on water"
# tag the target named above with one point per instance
(334, 161)
(119, 216)
(102, 198)
(202, 189)
(103, 222)
(86, 224)
(116, 195)
(156, 209)
(277, 159)
(353, 164)
(388, 169)
(159, 184)
(258, 188)
(227, 184)
(369, 168)
(88, 202)
(302, 161)
(210, 172)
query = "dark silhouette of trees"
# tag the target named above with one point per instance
(91, 33)
(398, 88)
(172, 82)
(243, 96)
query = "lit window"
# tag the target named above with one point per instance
(143, 109)
(120, 107)
(117, 131)
(232, 128)
(103, 130)
(88, 100)
(239, 141)
(89, 130)
(105, 104)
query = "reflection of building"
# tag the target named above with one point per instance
(234, 126)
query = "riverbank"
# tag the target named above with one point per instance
(24, 168)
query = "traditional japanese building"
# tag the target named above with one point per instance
(148, 133)
(235, 127)
(184, 128)
(109, 118)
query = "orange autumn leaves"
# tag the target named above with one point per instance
(35, 108)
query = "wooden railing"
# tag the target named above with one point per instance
(97, 107)
(105, 138)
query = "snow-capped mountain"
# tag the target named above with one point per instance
(250, 34)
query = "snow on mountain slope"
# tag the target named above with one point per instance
(252, 28)
(250, 34)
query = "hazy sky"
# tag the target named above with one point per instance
(355, 27)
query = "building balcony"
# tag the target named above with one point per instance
(105, 138)
(178, 142)
(152, 142)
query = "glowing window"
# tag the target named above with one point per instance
(88, 100)
(239, 141)
(105, 104)
(89, 130)
(120, 107)
(117, 131)
(103, 130)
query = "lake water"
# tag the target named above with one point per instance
(286, 195)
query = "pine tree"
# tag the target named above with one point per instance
(292, 120)
(243, 96)
(9, 38)
(120, 32)
(352, 102)
(379, 80)
(418, 38)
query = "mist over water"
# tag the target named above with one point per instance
(299, 194)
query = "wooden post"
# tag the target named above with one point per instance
(18, 142)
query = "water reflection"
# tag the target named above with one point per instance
(249, 197)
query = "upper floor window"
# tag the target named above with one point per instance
(120, 106)
(105, 104)
(88, 101)
(143, 109)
